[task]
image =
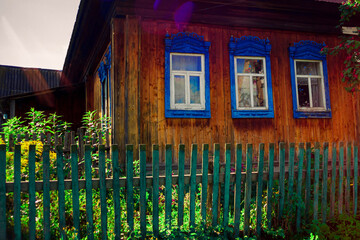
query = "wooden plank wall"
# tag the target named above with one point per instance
(221, 128)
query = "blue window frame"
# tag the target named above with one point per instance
(250, 78)
(309, 80)
(187, 80)
(105, 80)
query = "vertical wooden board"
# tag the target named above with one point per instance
(204, 180)
(142, 155)
(61, 189)
(17, 192)
(247, 201)
(270, 184)
(348, 175)
(155, 193)
(341, 177)
(215, 185)
(316, 181)
(324, 191)
(75, 188)
(168, 185)
(333, 180)
(259, 189)
(181, 194)
(238, 162)
(227, 185)
(356, 172)
(88, 187)
(32, 207)
(308, 179)
(103, 203)
(116, 190)
(291, 170)
(281, 180)
(3, 191)
(46, 191)
(193, 185)
(299, 185)
(129, 185)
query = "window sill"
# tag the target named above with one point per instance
(312, 114)
(252, 113)
(175, 113)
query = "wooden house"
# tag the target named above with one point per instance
(202, 71)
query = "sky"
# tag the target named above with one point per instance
(36, 33)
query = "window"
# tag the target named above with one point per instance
(310, 88)
(250, 76)
(187, 85)
(105, 80)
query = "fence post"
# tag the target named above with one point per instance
(291, 170)
(308, 180)
(61, 188)
(259, 188)
(17, 192)
(249, 153)
(299, 185)
(46, 193)
(142, 155)
(325, 182)
(89, 204)
(238, 169)
(227, 185)
(215, 185)
(32, 207)
(270, 184)
(168, 185)
(281, 180)
(75, 188)
(204, 183)
(129, 186)
(3, 191)
(193, 185)
(155, 175)
(181, 164)
(316, 182)
(116, 190)
(103, 203)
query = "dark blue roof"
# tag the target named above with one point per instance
(18, 80)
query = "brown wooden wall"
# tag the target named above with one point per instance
(221, 127)
(138, 90)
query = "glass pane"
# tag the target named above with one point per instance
(186, 63)
(250, 66)
(179, 88)
(244, 97)
(303, 92)
(308, 68)
(316, 92)
(259, 91)
(195, 89)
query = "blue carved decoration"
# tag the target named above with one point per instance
(105, 79)
(309, 50)
(250, 46)
(185, 42)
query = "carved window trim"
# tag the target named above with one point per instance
(307, 50)
(251, 47)
(186, 43)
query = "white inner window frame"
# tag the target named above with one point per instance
(201, 74)
(321, 76)
(251, 75)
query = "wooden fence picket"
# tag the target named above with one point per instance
(215, 185)
(348, 177)
(270, 184)
(227, 185)
(356, 172)
(75, 188)
(238, 166)
(299, 185)
(168, 185)
(103, 204)
(116, 190)
(341, 177)
(324, 192)
(181, 189)
(17, 192)
(130, 186)
(46, 192)
(3, 192)
(316, 181)
(193, 165)
(142, 155)
(259, 189)
(248, 183)
(204, 182)
(89, 203)
(308, 181)
(155, 193)
(281, 180)
(32, 195)
(333, 180)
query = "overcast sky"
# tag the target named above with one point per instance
(36, 33)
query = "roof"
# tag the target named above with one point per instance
(91, 32)
(17, 80)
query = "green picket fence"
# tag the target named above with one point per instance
(303, 171)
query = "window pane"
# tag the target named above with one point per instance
(244, 91)
(194, 89)
(186, 63)
(250, 66)
(179, 88)
(316, 92)
(308, 68)
(303, 92)
(259, 91)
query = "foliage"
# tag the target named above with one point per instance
(349, 46)
(94, 126)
